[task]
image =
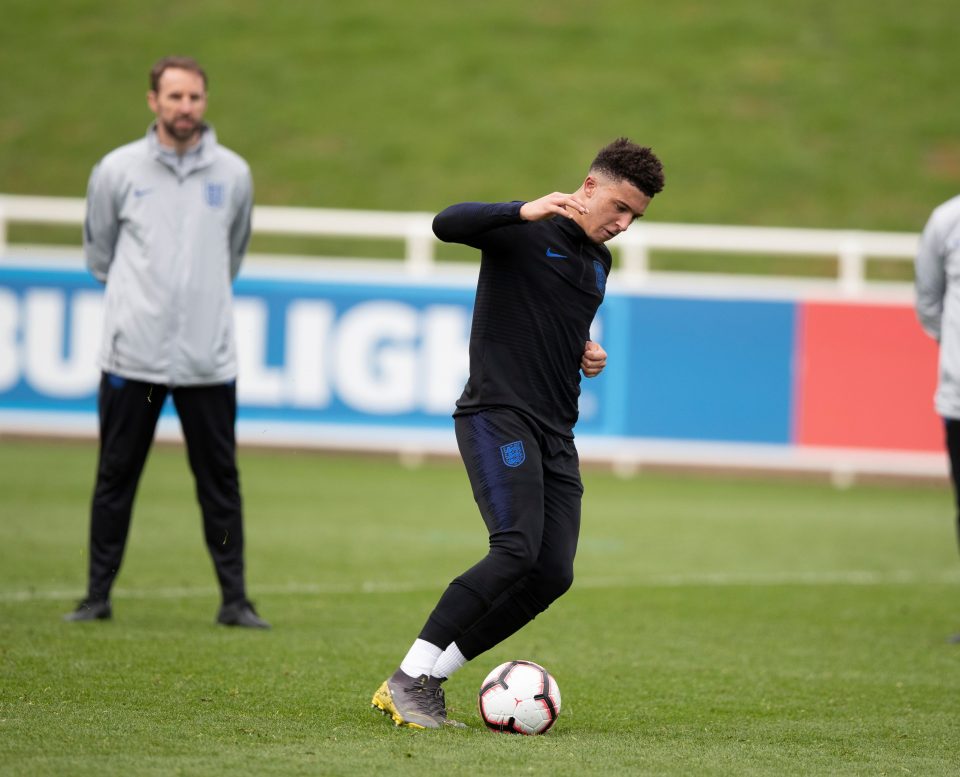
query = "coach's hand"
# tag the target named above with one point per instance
(594, 359)
(556, 204)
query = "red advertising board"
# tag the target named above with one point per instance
(866, 374)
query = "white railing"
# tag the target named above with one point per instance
(851, 248)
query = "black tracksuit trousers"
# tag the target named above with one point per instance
(953, 448)
(129, 410)
(527, 485)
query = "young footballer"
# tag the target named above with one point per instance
(543, 274)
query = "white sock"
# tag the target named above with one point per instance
(449, 662)
(420, 658)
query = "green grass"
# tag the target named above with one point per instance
(811, 113)
(717, 626)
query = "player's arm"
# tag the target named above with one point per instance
(594, 359)
(101, 225)
(472, 223)
(556, 204)
(931, 278)
(475, 223)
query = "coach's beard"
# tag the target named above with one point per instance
(183, 132)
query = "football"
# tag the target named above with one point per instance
(519, 697)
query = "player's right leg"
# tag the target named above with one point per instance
(128, 411)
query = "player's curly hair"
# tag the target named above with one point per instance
(625, 160)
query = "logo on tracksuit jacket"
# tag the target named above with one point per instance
(214, 194)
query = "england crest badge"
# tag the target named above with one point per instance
(513, 454)
(214, 193)
(601, 276)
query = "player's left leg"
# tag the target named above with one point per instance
(501, 453)
(552, 575)
(208, 417)
(510, 495)
(952, 427)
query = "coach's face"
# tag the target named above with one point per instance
(613, 206)
(179, 104)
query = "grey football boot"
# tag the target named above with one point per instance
(416, 702)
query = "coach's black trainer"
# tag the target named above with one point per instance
(416, 702)
(90, 610)
(241, 614)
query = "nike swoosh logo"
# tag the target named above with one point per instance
(141, 192)
(554, 255)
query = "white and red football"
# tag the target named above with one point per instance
(519, 697)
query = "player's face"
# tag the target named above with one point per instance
(613, 206)
(179, 104)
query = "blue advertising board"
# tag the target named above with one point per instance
(384, 353)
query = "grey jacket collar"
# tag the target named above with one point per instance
(196, 158)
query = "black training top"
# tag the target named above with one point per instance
(540, 285)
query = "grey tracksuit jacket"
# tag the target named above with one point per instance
(167, 235)
(938, 299)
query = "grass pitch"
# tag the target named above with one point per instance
(744, 627)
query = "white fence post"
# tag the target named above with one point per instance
(853, 266)
(3, 229)
(635, 256)
(419, 247)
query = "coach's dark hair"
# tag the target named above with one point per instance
(625, 160)
(181, 63)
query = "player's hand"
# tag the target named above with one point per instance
(594, 359)
(556, 204)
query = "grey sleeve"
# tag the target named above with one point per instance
(101, 225)
(931, 277)
(240, 228)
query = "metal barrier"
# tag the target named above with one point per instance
(851, 248)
